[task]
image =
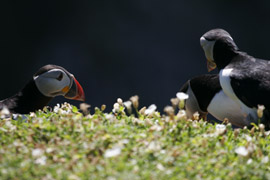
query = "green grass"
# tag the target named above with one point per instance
(65, 144)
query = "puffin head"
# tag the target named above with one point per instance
(52, 80)
(219, 48)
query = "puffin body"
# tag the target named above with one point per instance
(243, 78)
(206, 96)
(48, 82)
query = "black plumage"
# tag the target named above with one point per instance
(29, 99)
(250, 80)
(204, 88)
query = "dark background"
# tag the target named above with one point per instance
(125, 47)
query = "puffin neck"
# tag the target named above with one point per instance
(29, 99)
(224, 53)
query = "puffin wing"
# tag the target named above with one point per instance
(204, 88)
(251, 82)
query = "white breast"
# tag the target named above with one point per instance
(225, 82)
(192, 105)
(221, 107)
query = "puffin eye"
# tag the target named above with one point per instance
(60, 77)
(209, 39)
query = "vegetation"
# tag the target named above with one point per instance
(65, 143)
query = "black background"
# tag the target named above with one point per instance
(125, 47)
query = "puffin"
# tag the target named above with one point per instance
(48, 82)
(243, 78)
(205, 96)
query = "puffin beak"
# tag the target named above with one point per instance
(211, 65)
(208, 47)
(76, 91)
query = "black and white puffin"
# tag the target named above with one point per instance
(49, 81)
(206, 95)
(243, 78)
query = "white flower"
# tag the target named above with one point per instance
(153, 146)
(181, 114)
(63, 112)
(73, 177)
(251, 148)
(143, 135)
(169, 110)
(220, 129)
(249, 161)
(49, 150)
(124, 141)
(175, 102)
(267, 133)
(248, 138)
(260, 111)
(119, 101)
(32, 115)
(209, 135)
(41, 160)
(110, 117)
(112, 152)
(116, 108)
(135, 101)
(22, 116)
(40, 120)
(111, 178)
(262, 127)
(37, 152)
(56, 108)
(133, 161)
(241, 151)
(85, 107)
(151, 109)
(64, 109)
(196, 116)
(128, 104)
(265, 159)
(4, 113)
(18, 144)
(163, 151)
(10, 126)
(156, 128)
(142, 110)
(3, 129)
(160, 167)
(181, 96)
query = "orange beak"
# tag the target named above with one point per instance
(211, 65)
(76, 91)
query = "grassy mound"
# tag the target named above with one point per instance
(65, 144)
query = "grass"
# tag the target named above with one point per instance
(65, 144)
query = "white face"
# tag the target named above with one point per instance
(53, 83)
(208, 47)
